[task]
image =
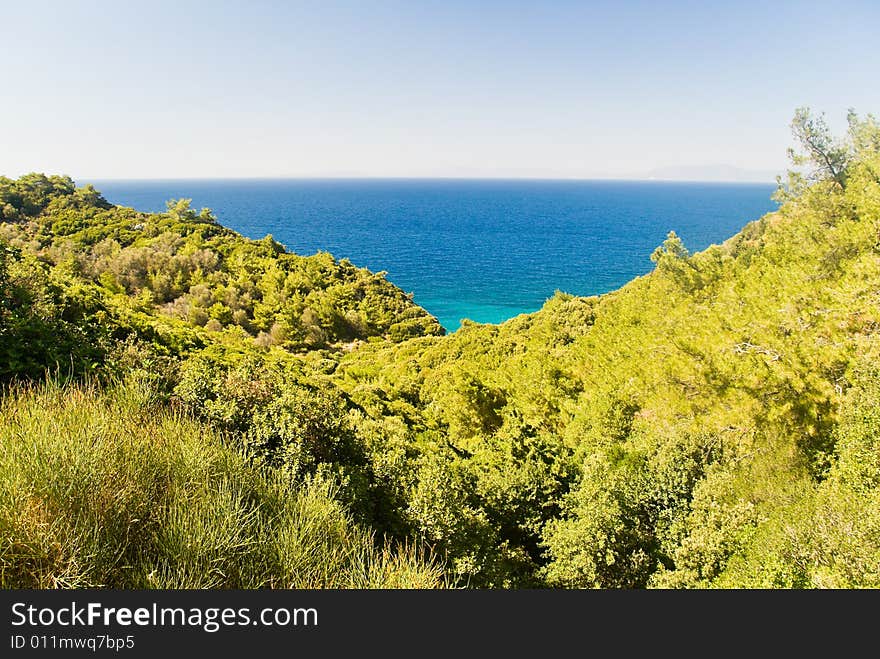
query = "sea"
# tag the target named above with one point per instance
(484, 250)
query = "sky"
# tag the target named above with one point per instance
(422, 89)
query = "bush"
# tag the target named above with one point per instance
(108, 490)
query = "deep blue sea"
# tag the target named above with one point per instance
(486, 250)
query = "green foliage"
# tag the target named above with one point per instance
(30, 194)
(46, 319)
(711, 424)
(857, 437)
(673, 260)
(107, 490)
(822, 157)
(182, 265)
(688, 409)
(616, 523)
(827, 536)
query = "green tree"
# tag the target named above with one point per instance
(824, 156)
(180, 210)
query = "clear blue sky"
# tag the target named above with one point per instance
(548, 89)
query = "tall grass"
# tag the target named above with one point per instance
(109, 489)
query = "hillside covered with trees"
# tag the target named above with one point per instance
(184, 407)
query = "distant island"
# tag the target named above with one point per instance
(715, 173)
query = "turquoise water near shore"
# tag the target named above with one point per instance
(486, 250)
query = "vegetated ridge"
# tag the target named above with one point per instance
(221, 413)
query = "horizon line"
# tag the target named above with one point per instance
(623, 179)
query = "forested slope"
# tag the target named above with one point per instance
(177, 279)
(711, 424)
(685, 430)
